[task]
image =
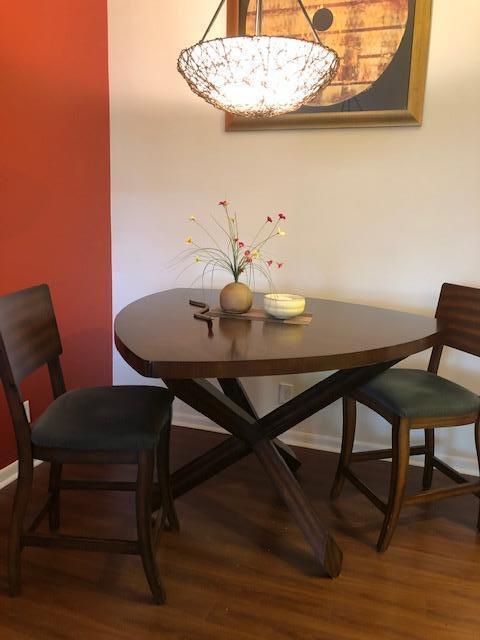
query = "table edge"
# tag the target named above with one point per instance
(283, 366)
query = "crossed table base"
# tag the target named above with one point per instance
(232, 410)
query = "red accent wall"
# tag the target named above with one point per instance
(55, 180)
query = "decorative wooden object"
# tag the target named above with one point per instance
(29, 339)
(459, 314)
(259, 315)
(157, 337)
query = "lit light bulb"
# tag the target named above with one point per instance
(258, 76)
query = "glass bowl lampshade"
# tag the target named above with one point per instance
(258, 76)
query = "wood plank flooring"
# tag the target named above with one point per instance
(240, 570)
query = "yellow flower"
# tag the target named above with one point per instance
(189, 240)
(197, 259)
(192, 218)
(280, 232)
(255, 254)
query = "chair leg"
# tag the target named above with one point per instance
(54, 489)
(400, 458)
(22, 497)
(348, 438)
(169, 514)
(144, 524)
(429, 453)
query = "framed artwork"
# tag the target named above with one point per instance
(383, 49)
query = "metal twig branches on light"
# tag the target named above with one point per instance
(258, 76)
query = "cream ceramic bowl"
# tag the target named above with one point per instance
(283, 305)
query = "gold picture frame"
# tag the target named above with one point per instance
(412, 115)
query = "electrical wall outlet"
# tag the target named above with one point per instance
(285, 392)
(26, 406)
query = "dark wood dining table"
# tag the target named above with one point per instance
(159, 338)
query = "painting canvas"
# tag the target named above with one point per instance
(383, 50)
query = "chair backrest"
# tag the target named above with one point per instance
(459, 314)
(29, 335)
(28, 340)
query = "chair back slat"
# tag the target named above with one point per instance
(28, 331)
(459, 312)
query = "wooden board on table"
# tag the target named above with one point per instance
(259, 314)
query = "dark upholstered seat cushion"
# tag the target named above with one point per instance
(411, 393)
(124, 418)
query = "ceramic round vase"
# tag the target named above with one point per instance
(236, 297)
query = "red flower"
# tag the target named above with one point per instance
(249, 259)
(223, 203)
(247, 253)
(269, 219)
(279, 265)
(241, 245)
(269, 262)
(282, 216)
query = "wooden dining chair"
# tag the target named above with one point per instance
(415, 399)
(100, 425)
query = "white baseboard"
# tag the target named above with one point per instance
(9, 473)
(296, 438)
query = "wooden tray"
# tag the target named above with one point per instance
(258, 314)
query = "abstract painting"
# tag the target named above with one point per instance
(383, 50)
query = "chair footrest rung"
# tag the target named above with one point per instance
(38, 519)
(446, 492)
(448, 471)
(101, 485)
(96, 485)
(383, 454)
(367, 492)
(81, 543)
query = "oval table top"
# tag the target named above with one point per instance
(159, 338)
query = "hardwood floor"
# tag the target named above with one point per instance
(240, 570)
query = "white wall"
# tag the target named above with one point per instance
(379, 216)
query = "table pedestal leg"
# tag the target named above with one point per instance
(234, 389)
(250, 433)
(206, 466)
(325, 548)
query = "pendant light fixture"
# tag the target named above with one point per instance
(258, 76)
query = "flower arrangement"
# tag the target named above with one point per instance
(238, 257)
